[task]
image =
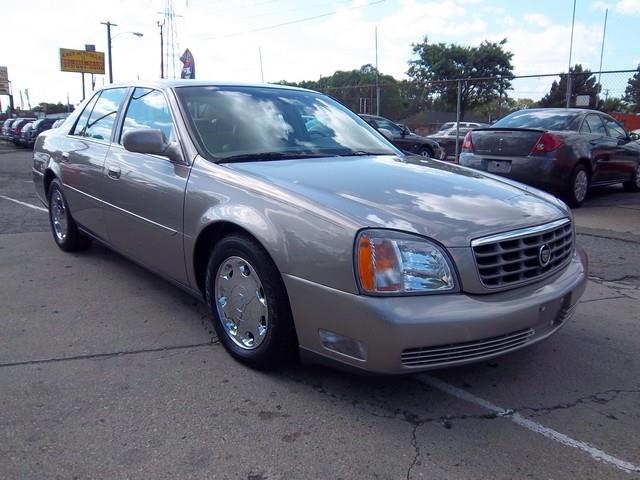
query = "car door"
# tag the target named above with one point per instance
(82, 159)
(145, 193)
(399, 139)
(624, 161)
(602, 147)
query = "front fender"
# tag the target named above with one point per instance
(302, 241)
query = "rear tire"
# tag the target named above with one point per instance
(633, 185)
(578, 186)
(426, 152)
(248, 304)
(63, 227)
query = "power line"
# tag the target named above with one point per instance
(307, 19)
(290, 10)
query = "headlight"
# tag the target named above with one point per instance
(390, 262)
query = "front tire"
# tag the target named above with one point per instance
(633, 185)
(248, 304)
(64, 228)
(578, 186)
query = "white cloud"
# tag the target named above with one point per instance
(624, 7)
(296, 52)
(628, 7)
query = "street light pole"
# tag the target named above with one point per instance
(573, 21)
(161, 25)
(109, 25)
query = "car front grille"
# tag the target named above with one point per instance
(520, 256)
(444, 354)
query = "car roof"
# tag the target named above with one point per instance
(176, 83)
(560, 110)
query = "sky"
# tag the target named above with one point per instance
(226, 37)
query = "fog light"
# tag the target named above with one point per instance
(344, 345)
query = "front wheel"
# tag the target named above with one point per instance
(64, 229)
(578, 186)
(633, 185)
(248, 304)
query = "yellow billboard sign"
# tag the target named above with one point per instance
(81, 61)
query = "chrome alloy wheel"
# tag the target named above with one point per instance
(58, 212)
(580, 185)
(241, 303)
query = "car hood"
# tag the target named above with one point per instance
(448, 203)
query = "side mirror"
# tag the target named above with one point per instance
(387, 134)
(151, 141)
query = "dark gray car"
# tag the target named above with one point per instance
(306, 231)
(562, 151)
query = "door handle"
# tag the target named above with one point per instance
(113, 172)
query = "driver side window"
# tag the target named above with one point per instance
(615, 130)
(148, 109)
(392, 127)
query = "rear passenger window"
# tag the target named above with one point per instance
(81, 124)
(584, 128)
(104, 114)
(148, 109)
(596, 125)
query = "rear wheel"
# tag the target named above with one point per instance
(64, 229)
(578, 186)
(633, 185)
(426, 152)
(248, 304)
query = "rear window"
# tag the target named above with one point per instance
(543, 119)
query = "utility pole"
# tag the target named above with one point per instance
(573, 21)
(261, 70)
(604, 32)
(109, 25)
(161, 25)
(377, 79)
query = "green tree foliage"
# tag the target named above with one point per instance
(356, 89)
(435, 65)
(612, 104)
(583, 82)
(50, 108)
(632, 92)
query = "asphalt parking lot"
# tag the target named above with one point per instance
(107, 371)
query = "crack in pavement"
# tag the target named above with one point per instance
(122, 353)
(627, 240)
(601, 398)
(603, 298)
(402, 415)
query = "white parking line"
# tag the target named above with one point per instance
(25, 204)
(529, 424)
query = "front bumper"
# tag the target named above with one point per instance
(391, 326)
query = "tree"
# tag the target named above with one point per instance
(583, 82)
(49, 108)
(612, 104)
(437, 65)
(356, 89)
(632, 92)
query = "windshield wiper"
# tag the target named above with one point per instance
(362, 153)
(266, 156)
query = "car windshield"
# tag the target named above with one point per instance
(236, 123)
(544, 119)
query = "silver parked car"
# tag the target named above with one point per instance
(306, 231)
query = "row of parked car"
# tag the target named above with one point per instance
(23, 131)
(562, 151)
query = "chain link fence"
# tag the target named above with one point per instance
(461, 104)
